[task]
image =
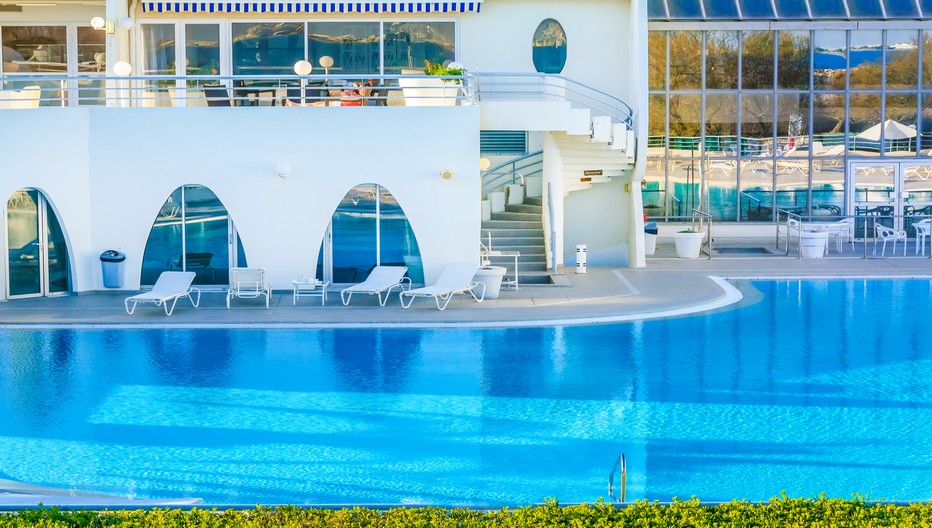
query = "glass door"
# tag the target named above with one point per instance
(37, 254)
(891, 193)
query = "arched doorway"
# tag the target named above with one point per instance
(193, 232)
(37, 262)
(368, 229)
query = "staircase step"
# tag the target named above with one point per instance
(535, 200)
(524, 208)
(501, 242)
(524, 217)
(511, 224)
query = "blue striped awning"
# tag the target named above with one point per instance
(311, 7)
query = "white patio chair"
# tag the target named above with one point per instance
(170, 286)
(841, 233)
(885, 234)
(923, 228)
(382, 279)
(248, 283)
(456, 278)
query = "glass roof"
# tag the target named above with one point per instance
(789, 9)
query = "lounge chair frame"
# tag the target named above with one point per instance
(248, 283)
(162, 292)
(381, 280)
(443, 290)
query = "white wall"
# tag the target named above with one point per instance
(596, 217)
(108, 171)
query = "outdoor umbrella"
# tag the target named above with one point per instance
(891, 130)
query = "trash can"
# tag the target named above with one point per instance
(650, 238)
(581, 258)
(492, 277)
(111, 266)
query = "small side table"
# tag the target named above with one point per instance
(309, 289)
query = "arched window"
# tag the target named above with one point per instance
(37, 260)
(192, 233)
(549, 47)
(368, 229)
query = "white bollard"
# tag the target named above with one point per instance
(581, 258)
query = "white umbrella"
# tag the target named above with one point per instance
(891, 130)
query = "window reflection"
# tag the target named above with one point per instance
(902, 59)
(865, 113)
(791, 9)
(756, 9)
(865, 8)
(757, 125)
(721, 126)
(23, 242)
(757, 59)
(721, 9)
(549, 47)
(353, 46)
(828, 124)
(685, 60)
(900, 9)
(900, 124)
(792, 122)
(684, 9)
(657, 59)
(828, 9)
(267, 48)
(202, 49)
(721, 60)
(34, 49)
(793, 59)
(409, 44)
(830, 61)
(158, 49)
(92, 50)
(866, 59)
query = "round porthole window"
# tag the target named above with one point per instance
(549, 47)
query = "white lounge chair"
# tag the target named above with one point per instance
(248, 283)
(456, 278)
(383, 279)
(171, 286)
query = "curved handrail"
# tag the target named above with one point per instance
(511, 171)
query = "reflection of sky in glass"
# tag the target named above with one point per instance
(900, 8)
(866, 47)
(720, 9)
(684, 9)
(865, 8)
(756, 9)
(791, 9)
(828, 9)
(656, 9)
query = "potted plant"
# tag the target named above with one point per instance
(688, 243)
(427, 91)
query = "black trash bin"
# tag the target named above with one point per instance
(650, 238)
(111, 266)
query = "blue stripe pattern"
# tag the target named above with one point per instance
(312, 7)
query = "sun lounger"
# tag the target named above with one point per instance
(456, 278)
(383, 279)
(248, 283)
(171, 286)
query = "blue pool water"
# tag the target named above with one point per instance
(816, 387)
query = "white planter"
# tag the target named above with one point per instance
(492, 277)
(497, 201)
(515, 194)
(486, 210)
(688, 244)
(812, 244)
(428, 91)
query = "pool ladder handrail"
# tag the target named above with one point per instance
(622, 466)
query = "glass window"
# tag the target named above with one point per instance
(755, 203)
(865, 8)
(902, 60)
(721, 60)
(397, 245)
(900, 123)
(828, 9)
(684, 9)
(353, 47)
(828, 124)
(793, 59)
(23, 242)
(409, 44)
(830, 60)
(757, 59)
(865, 113)
(720, 9)
(35, 49)
(267, 48)
(685, 122)
(793, 124)
(901, 8)
(657, 59)
(657, 124)
(866, 56)
(757, 125)
(656, 9)
(92, 51)
(202, 49)
(756, 9)
(721, 124)
(828, 184)
(158, 49)
(926, 6)
(792, 9)
(685, 60)
(549, 47)
(927, 59)
(925, 140)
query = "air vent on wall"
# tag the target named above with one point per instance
(503, 142)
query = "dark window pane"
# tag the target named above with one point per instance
(656, 10)
(684, 9)
(828, 9)
(901, 8)
(792, 9)
(409, 44)
(926, 6)
(267, 48)
(756, 9)
(720, 9)
(34, 49)
(865, 8)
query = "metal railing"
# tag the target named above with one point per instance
(620, 467)
(512, 171)
(795, 232)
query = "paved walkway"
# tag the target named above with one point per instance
(668, 286)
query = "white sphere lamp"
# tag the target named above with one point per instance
(122, 68)
(303, 67)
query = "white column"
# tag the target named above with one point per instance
(553, 200)
(638, 87)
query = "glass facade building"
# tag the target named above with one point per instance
(813, 107)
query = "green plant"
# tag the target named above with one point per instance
(690, 230)
(436, 68)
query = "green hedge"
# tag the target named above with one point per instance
(780, 512)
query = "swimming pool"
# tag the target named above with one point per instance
(821, 386)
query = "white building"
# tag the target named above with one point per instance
(119, 150)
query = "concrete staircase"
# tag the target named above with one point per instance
(519, 228)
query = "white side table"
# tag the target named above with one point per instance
(310, 288)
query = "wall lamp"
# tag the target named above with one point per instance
(103, 24)
(122, 68)
(283, 170)
(446, 174)
(484, 164)
(303, 68)
(326, 62)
